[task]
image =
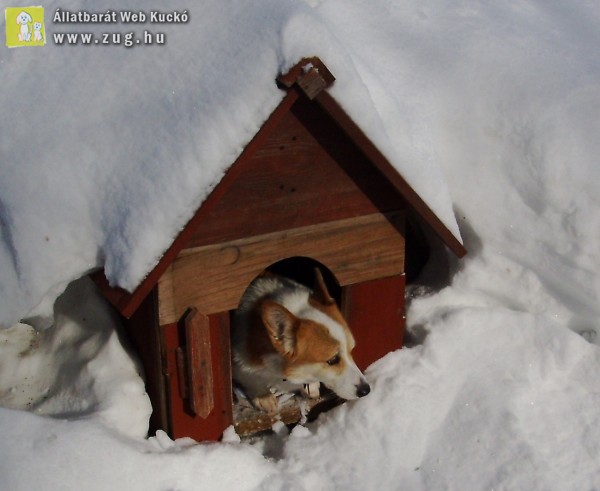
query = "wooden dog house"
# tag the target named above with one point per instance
(309, 185)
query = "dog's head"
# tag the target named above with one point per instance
(37, 26)
(24, 18)
(315, 343)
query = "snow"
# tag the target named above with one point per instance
(499, 388)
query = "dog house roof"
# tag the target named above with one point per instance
(311, 78)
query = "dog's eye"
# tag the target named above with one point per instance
(334, 360)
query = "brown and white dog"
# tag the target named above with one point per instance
(286, 337)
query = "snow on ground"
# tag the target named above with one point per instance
(500, 389)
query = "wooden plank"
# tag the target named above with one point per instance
(297, 72)
(182, 420)
(199, 363)
(330, 105)
(381, 299)
(213, 278)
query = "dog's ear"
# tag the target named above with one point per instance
(281, 326)
(321, 293)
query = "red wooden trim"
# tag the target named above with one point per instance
(128, 303)
(182, 420)
(330, 105)
(382, 300)
(115, 295)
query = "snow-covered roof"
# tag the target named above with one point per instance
(107, 151)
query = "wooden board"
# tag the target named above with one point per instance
(213, 278)
(183, 421)
(374, 311)
(198, 364)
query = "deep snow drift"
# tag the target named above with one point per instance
(500, 389)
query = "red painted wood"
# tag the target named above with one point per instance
(375, 313)
(306, 172)
(183, 421)
(118, 297)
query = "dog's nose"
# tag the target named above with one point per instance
(363, 389)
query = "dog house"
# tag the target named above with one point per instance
(309, 189)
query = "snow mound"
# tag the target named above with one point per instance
(512, 405)
(79, 368)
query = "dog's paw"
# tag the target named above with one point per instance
(266, 403)
(311, 390)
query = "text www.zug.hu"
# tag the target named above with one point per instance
(128, 39)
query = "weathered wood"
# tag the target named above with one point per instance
(297, 72)
(312, 83)
(375, 313)
(199, 363)
(182, 419)
(213, 278)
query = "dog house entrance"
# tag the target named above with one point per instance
(292, 408)
(301, 269)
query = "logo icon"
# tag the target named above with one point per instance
(24, 26)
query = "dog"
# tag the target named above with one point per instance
(286, 337)
(24, 19)
(37, 32)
